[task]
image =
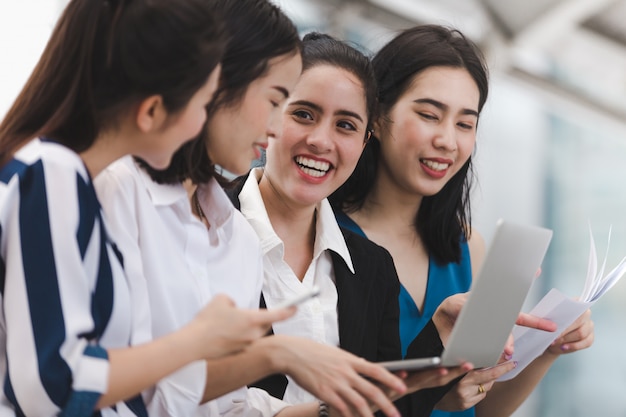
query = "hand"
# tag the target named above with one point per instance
(473, 387)
(576, 337)
(221, 328)
(526, 320)
(446, 314)
(435, 377)
(448, 311)
(347, 383)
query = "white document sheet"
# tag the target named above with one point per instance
(563, 310)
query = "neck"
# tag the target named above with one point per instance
(389, 204)
(106, 149)
(289, 220)
(388, 200)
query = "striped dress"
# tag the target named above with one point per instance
(62, 288)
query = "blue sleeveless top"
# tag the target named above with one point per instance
(444, 280)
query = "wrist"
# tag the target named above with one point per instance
(272, 349)
(324, 410)
(189, 350)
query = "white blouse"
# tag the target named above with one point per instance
(316, 319)
(176, 265)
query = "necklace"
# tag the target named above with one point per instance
(198, 207)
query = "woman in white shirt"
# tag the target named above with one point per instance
(71, 341)
(188, 245)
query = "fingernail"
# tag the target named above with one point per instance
(564, 347)
(508, 357)
(514, 364)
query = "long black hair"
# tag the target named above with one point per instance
(258, 31)
(443, 219)
(105, 56)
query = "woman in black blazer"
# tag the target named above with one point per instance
(325, 127)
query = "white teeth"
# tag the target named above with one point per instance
(312, 172)
(435, 166)
(312, 167)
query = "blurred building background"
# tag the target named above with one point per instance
(551, 148)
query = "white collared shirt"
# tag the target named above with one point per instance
(317, 318)
(177, 265)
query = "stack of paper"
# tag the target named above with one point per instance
(562, 310)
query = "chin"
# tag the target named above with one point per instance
(157, 163)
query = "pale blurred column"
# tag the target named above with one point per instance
(25, 27)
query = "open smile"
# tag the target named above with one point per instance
(312, 167)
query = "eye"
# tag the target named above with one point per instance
(465, 126)
(302, 115)
(428, 116)
(274, 103)
(344, 124)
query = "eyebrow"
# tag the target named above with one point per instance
(282, 90)
(317, 108)
(443, 106)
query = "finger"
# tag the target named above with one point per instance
(426, 378)
(337, 403)
(576, 335)
(374, 396)
(535, 322)
(436, 377)
(265, 317)
(509, 348)
(584, 318)
(577, 345)
(223, 299)
(380, 374)
(491, 374)
(581, 332)
(456, 372)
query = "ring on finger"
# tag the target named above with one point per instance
(481, 389)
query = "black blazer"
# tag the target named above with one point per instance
(368, 314)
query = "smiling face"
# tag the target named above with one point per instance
(324, 127)
(237, 132)
(431, 131)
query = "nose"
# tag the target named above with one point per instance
(445, 137)
(275, 124)
(319, 137)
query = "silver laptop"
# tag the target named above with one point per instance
(495, 300)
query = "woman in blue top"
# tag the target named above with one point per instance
(115, 78)
(410, 193)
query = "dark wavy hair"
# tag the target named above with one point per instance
(443, 219)
(258, 31)
(105, 56)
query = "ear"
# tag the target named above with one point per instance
(151, 114)
(377, 125)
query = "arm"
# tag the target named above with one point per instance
(331, 374)
(219, 329)
(52, 217)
